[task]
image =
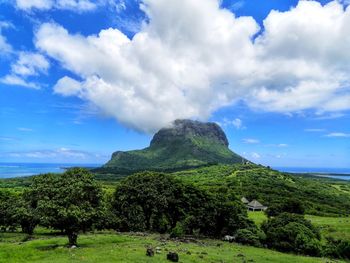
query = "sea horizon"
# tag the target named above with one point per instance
(22, 169)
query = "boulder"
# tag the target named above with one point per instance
(172, 256)
(150, 252)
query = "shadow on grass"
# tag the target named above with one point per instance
(55, 246)
(47, 247)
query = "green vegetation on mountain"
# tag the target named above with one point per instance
(319, 196)
(184, 145)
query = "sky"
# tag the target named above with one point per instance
(80, 79)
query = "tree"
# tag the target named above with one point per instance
(69, 202)
(148, 201)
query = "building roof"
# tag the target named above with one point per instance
(244, 200)
(255, 204)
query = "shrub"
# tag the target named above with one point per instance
(294, 206)
(177, 231)
(292, 233)
(248, 237)
(337, 248)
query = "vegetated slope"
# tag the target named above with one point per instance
(184, 145)
(319, 196)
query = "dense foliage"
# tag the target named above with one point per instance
(158, 202)
(292, 233)
(316, 196)
(291, 205)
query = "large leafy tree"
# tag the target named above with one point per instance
(70, 202)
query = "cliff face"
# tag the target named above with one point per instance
(185, 144)
(183, 129)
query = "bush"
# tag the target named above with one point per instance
(293, 206)
(337, 248)
(292, 233)
(248, 237)
(177, 231)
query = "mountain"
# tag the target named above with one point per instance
(184, 144)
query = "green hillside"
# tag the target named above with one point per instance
(320, 196)
(184, 145)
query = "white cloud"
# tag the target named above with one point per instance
(237, 123)
(59, 153)
(37, 4)
(255, 155)
(67, 86)
(338, 135)
(18, 81)
(251, 141)
(314, 130)
(74, 5)
(5, 47)
(193, 58)
(28, 64)
(282, 145)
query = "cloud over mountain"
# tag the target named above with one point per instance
(194, 57)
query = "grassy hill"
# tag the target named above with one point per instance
(320, 196)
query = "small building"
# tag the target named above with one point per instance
(256, 206)
(244, 200)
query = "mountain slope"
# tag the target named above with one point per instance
(185, 144)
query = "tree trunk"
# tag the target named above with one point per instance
(28, 228)
(72, 238)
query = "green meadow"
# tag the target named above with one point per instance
(114, 247)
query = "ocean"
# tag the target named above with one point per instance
(11, 170)
(336, 173)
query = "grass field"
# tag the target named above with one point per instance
(109, 247)
(337, 227)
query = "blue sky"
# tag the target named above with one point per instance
(80, 80)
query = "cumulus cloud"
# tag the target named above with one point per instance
(193, 58)
(28, 64)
